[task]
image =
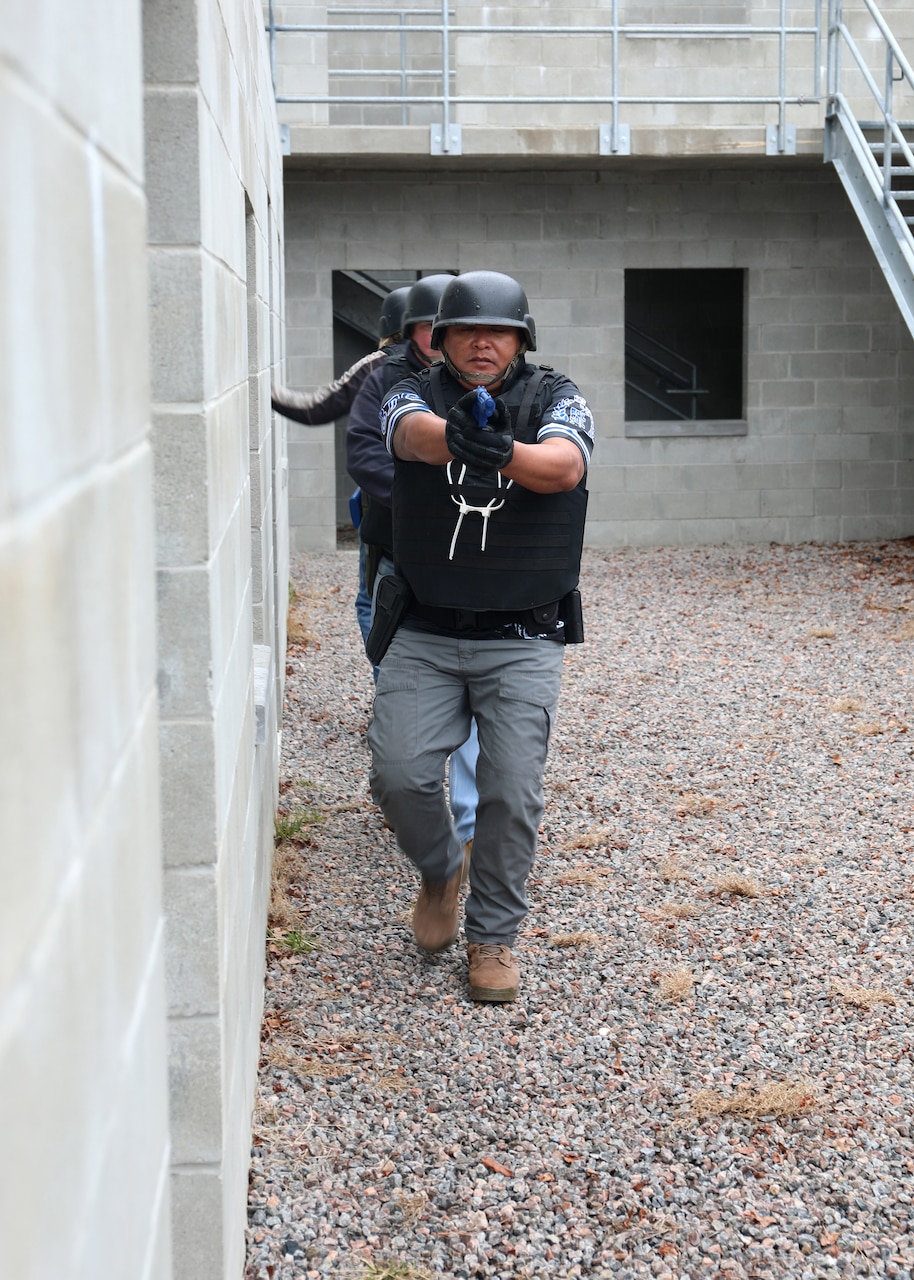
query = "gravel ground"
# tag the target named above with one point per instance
(708, 1071)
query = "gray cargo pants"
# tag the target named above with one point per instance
(428, 688)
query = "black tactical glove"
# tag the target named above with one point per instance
(487, 450)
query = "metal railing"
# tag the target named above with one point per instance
(874, 158)
(665, 373)
(614, 136)
(894, 143)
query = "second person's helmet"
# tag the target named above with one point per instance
(484, 297)
(392, 309)
(422, 301)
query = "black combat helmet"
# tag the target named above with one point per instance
(422, 303)
(484, 297)
(392, 308)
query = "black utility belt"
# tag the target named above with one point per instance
(394, 605)
(544, 619)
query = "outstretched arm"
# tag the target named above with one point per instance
(550, 466)
(326, 404)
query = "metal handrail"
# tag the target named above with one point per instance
(686, 376)
(612, 29)
(894, 140)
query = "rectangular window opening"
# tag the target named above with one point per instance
(685, 352)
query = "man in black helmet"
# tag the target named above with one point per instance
(490, 458)
(367, 460)
(372, 468)
(327, 403)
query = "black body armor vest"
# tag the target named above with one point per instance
(526, 553)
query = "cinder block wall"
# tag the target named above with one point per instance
(830, 365)
(83, 1083)
(214, 184)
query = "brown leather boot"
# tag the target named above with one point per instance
(494, 973)
(435, 916)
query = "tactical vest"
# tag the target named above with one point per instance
(376, 528)
(527, 553)
(399, 364)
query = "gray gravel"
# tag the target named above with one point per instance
(709, 1070)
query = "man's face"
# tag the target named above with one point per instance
(481, 352)
(422, 337)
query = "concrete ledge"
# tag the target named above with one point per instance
(409, 146)
(681, 428)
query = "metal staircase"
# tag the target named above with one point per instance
(874, 157)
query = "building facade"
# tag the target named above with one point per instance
(662, 193)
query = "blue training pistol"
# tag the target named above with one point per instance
(483, 408)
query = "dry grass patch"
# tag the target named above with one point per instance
(324, 1070)
(905, 632)
(693, 805)
(783, 1100)
(582, 875)
(266, 1114)
(583, 938)
(392, 1082)
(299, 1065)
(679, 910)
(676, 984)
(868, 728)
(847, 706)
(412, 1205)
(740, 885)
(298, 623)
(393, 1271)
(285, 911)
(821, 633)
(671, 872)
(601, 838)
(863, 997)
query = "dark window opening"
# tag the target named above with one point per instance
(684, 345)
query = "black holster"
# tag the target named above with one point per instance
(572, 615)
(391, 600)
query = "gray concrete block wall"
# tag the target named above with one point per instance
(83, 1083)
(222, 550)
(309, 363)
(828, 440)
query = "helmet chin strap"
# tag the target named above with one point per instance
(483, 380)
(418, 352)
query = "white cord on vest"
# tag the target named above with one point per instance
(466, 508)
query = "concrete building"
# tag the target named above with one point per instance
(661, 189)
(143, 578)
